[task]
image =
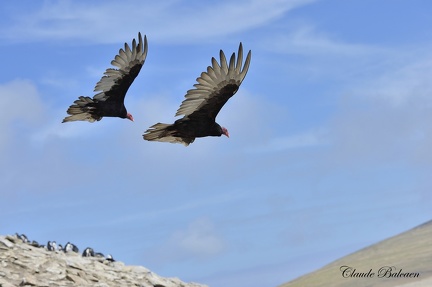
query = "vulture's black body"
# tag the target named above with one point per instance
(202, 104)
(112, 87)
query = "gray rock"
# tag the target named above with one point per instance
(4, 242)
(22, 264)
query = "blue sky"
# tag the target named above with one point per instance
(329, 147)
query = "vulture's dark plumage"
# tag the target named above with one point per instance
(203, 103)
(113, 86)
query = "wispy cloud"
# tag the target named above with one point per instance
(307, 39)
(178, 208)
(404, 83)
(59, 20)
(297, 141)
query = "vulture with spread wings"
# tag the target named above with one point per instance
(113, 86)
(203, 103)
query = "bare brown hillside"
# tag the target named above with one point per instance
(403, 260)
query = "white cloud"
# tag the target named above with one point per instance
(52, 79)
(199, 241)
(20, 99)
(58, 20)
(386, 118)
(63, 130)
(21, 106)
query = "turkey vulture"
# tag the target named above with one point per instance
(203, 103)
(113, 86)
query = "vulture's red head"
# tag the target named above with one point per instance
(129, 116)
(225, 132)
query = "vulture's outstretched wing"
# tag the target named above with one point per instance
(215, 86)
(116, 82)
(112, 87)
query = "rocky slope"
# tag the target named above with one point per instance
(22, 264)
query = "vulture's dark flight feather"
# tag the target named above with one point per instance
(113, 86)
(203, 103)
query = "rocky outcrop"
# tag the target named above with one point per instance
(22, 264)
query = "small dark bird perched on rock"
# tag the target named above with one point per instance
(202, 104)
(23, 237)
(52, 246)
(113, 86)
(69, 247)
(109, 258)
(88, 252)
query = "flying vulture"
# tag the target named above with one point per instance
(203, 103)
(113, 86)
